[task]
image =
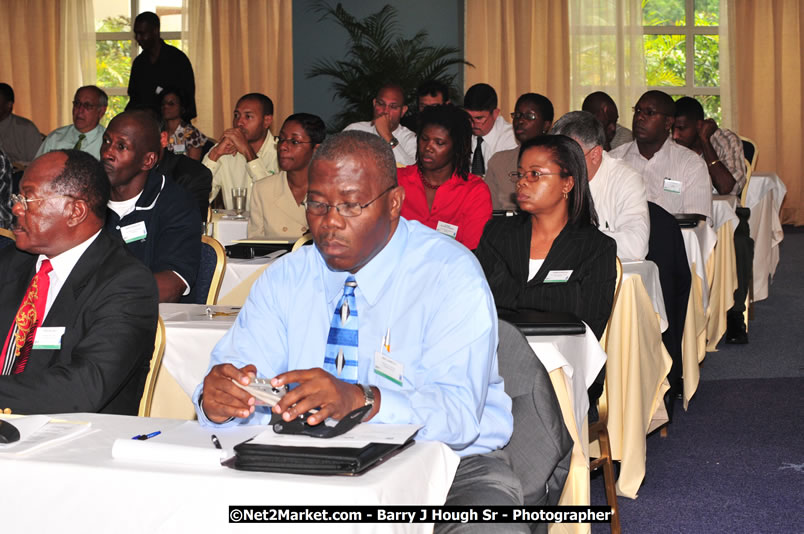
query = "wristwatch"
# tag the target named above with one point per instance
(368, 396)
(393, 142)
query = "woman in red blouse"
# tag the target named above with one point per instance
(439, 190)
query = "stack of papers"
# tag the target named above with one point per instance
(40, 431)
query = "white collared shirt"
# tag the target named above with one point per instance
(404, 152)
(685, 170)
(62, 267)
(622, 207)
(500, 137)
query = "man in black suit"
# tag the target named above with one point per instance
(77, 312)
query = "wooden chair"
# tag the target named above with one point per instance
(751, 153)
(306, 239)
(598, 430)
(210, 273)
(156, 364)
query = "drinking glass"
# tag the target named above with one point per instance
(239, 200)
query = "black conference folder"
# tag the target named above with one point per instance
(540, 323)
(255, 249)
(688, 220)
(313, 460)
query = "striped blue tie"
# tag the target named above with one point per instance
(341, 356)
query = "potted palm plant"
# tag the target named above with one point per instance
(377, 54)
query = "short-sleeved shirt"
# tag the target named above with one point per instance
(172, 239)
(186, 136)
(148, 80)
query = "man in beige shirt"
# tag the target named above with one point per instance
(246, 152)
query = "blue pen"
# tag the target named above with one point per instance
(143, 437)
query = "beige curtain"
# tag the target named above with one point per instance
(519, 46)
(238, 47)
(607, 52)
(42, 42)
(770, 92)
(728, 82)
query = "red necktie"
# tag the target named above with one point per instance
(20, 338)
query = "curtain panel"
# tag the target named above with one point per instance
(238, 47)
(770, 89)
(519, 46)
(47, 51)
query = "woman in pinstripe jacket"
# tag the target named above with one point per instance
(551, 256)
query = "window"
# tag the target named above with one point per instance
(682, 56)
(116, 47)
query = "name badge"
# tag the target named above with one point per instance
(179, 149)
(557, 277)
(672, 186)
(449, 230)
(387, 367)
(134, 232)
(48, 337)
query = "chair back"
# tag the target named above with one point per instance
(751, 154)
(7, 237)
(156, 364)
(210, 273)
(540, 447)
(306, 239)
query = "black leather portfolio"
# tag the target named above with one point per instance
(538, 323)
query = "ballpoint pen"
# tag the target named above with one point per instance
(215, 441)
(143, 437)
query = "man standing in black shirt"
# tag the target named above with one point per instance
(157, 67)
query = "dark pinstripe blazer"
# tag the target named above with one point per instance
(504, 252)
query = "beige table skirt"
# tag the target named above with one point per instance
(721, 272)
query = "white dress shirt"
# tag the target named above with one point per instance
(675, 177)
(232, 170)
(62, 267)
(404, 152)
(500, 137)
(622, 207)
(66, 137)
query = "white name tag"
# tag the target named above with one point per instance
(389, 368)
(134, 232)
(48, 337)
(447, 229)
(178, 149)
(557, 276)
(672, 186)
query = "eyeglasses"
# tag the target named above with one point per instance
(530, 116)
(292, 141)
(647, 112)
(530, 176)
(346, 209)
(86, 105)
(15, 198)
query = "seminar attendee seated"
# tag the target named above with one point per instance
(533, 115)
(392, 274)
(183, 137)
(277, 210)
(722, 151)
(675, 177)
(389, 106)
(77, 312)
(246, 152)
(6, 184)
(617, 190)
(440, 192)
(86, 132)
(602, 106)
(490, 132)
(429, 93)
(19, 137)
(155, 217)
(551, 257)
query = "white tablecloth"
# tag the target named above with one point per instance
(190, 336)
(699, 243)
(580, 357)
(764, 197)
(649, 273)
(77, 487)
(238, 270)
(723, 210)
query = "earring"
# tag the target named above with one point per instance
(566, 196)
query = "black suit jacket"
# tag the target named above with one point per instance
(194, 177)
(504, 252)
(109, 308)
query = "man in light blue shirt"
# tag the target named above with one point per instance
(417, 292)
(85, 133)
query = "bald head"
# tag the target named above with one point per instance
(131, 147)
(143, 123)
(351, 143)
(605, 111)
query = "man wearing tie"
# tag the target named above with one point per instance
(77, 312)
(381, 312)
(86, 132)
(490, 132)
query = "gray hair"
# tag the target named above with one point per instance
(103, 98)
(349, 143)
(581, 126)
